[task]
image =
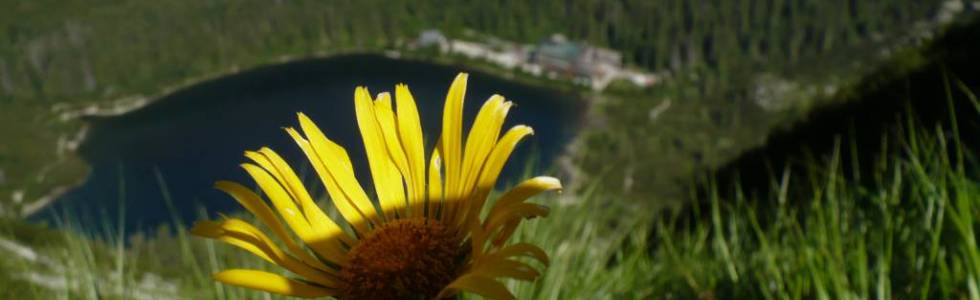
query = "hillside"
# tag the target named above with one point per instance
(60, 58)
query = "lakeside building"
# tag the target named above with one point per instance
(432, 38)
(554, 57)
(590, 65)
(556, 54)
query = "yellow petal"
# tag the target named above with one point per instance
(513, 212)
(334, 168)
(525, 190)
(452, 126)
(481, 139)
(280, 200)
(385, 115)
(498, 157)
(435, 198)
(272, 283)
(327, 247)
(341, 201)
(243, 235)
(514, 196)
(337, 162)
(372, 119)
(478, 237)
(322, 225)
(212, 230)
(483, 286)
(410, 131)
(507, 268)
(515, 250)
(491, 170)
(504, 233)
(261, 210)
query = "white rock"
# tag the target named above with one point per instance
(829, 89)
(659, 109)
(17, 196)
(953, 6)
(949, 10)
(774, 93)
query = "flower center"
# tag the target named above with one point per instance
(404, 259)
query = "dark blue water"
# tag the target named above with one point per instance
(179, 146)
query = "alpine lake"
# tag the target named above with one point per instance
(157, 165)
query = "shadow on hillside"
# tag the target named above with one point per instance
(870, 118)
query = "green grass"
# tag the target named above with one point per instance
(908, 232)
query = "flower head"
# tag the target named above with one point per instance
(423, 237)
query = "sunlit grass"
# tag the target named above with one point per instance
(907, 233)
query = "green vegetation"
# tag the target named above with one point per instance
(63, 56)
(76, 49)
(906, 230)
(662, 137)
(908, 233)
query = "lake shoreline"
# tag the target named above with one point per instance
(127, 105)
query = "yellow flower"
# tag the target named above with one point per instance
(424, 236)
